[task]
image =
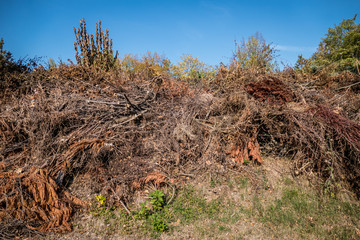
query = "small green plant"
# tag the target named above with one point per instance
(143, 213)
(101, 200)
(246, 162)
(99, 208)
(158, 223)
(157, 200)
(212, 183)
(154, 217)
(331, 185)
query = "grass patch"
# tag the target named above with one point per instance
(296, 213)
(190, 206)
(309, 214)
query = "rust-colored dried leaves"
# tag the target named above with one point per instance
(34, 198)
(270, 90)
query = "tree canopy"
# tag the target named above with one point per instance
(255, 53)
(339, 49)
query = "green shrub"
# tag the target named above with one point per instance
(149, 66)
(158, 223)
(157, 200)
(192, 70)
(143, 213)
(156, 216)
(255, 54)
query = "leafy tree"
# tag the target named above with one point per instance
(192, 70)
(255, 54)
(156, 64)
(339, 49)
(150, 65)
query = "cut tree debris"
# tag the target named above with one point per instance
(66, 123)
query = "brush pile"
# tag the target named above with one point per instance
(62, 126)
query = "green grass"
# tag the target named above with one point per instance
(308, 214)
(296, 213)
(190, 206)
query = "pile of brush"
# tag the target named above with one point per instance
(71, 123)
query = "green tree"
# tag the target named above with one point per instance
(150, 65)
(192, 70)
(340, 48)
(255, 54)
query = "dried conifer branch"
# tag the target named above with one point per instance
(94, 51)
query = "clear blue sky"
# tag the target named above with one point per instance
(206, 29)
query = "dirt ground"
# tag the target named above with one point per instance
(266, 183)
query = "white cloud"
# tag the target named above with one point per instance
(295, 48)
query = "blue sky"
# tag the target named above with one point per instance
(206, 29)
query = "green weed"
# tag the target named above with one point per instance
(157, 200)
(158, 223)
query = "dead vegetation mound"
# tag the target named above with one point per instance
(73, 121)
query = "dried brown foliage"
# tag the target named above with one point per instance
(271, 90)
(92, 51)
(156, 178)
(344, 128)
(79, 121)
(35, 199)
(294, 117)
(251, 151)
(75, 121)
